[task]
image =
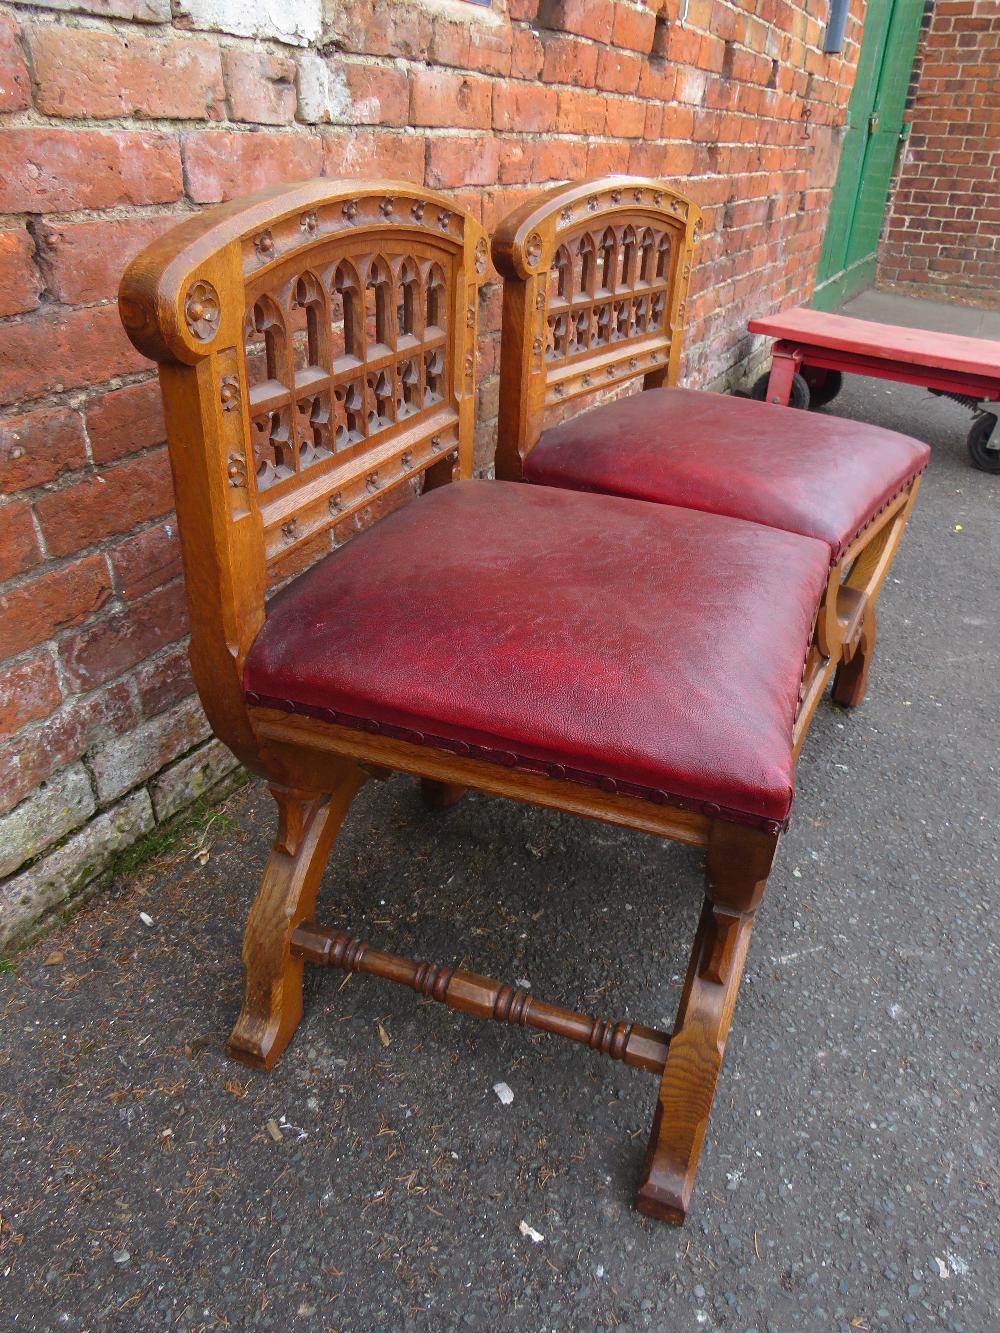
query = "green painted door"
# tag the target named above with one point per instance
(868, 152)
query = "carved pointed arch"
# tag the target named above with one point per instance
(627, 262)
(587, 254)
(348, 288)
(409, 313)
(434, 296)
(380, 312)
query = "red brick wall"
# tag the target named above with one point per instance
(116, 119)
(943, 222)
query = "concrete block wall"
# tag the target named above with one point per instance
(117, 117)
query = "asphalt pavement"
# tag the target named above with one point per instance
(375, 1179)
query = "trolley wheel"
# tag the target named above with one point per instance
(824, 385)
(799, 397)
(987, 460)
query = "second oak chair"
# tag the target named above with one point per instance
(595, 295)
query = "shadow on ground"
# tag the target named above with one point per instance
(850, 1174)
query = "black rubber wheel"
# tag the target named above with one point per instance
(986, 460)
(824, 385)
(799, 397)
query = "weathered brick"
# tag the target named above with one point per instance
(84, 261)
(219, 164)
(45, 170)
(297, 22)
(108, 502)
(586, 18)
(380, 28)
(99, 652)
(525, 107)
(164, 679)
(634, 28)
(582, 111)
(34, 610)
(146, 560)
(560, 159)
(15, 88)
(198, 774)
(340, 92)
(517, 160)
(126, 420)
(527, 54)
(83, 72)
(61, 349)
(28, 690)
(393, 156)
(462, 160)
(457, 101)
(569, 61)
(66, 875)
(141, 11)
(49, 813)
(122, 764)
(260, 86)
(618, 71)
(29, 757)
(20, 284)
(37, 447)
(18, 543)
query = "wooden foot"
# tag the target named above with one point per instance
(850, 683)
(440, 795)
(739, 861)
(272, 1003)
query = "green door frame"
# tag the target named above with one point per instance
(873, 130)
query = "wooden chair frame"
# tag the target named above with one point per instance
(234, 305)
(539, 372)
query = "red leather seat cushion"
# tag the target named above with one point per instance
(822, 476)
(651, 650)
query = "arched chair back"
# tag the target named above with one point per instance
(595, 291)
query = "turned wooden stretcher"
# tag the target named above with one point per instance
(636, 663)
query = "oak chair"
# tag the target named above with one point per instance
(595, 296)
(639, 664)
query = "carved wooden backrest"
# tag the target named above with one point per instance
(595, 286)
(316, 348)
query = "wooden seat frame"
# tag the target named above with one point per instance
(577, 259)
(278, 440)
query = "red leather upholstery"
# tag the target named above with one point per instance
(650, 650)
(821, 476)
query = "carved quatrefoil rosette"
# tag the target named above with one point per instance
(202, 310)
(263, 243)
(229, 393)
(533, 250)
(566, 216)
(417, 210)
(482, 255)
(616, 197)
(350, 210)
(236, 470)
(387, 206)
(308, 222)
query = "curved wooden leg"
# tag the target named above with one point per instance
(440, 795)
(272, 1003)
(739, 861)
(850, 684)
